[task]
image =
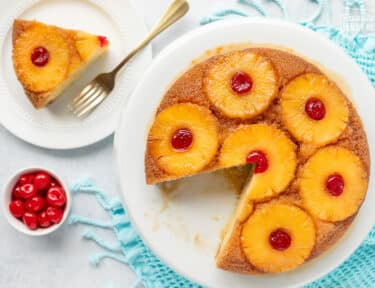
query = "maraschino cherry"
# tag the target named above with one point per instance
(54, 214)
(260, 160)
(241, 83)
(335, 184)
(280, 239)
(27, 191)
(17, 208)
(103, 41)
(30, 220)
(56, 196)
(40, 56)
(43, 220)
(182, 139)
(315, 108)
(35, 204)
(42, 181)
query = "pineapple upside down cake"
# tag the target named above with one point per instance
(303, 136)
(47, 59)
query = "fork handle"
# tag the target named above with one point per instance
(174, 12)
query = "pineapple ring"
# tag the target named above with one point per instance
(329, 161)
(248, 105)
(41, 79)
(280, 153)
(293, 100)
(268, 218)
(200, 122)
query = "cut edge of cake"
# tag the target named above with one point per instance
(229, 255)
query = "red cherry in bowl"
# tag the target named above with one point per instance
(54, 182)
(35, 204)
(30, 220)
(27, 191)
(17, 208)
(44, 220)
(26, 179)
(55, 214)
(16, 193)
(42, 181)
(56, 196)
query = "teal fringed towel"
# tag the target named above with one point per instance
(358, 271)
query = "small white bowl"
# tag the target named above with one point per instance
(19, 225)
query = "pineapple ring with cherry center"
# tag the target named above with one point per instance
(44, 77)
(241, 84)
(184, 138)
(313, 109)
(333, 184)
(272, 152)
(278, 237)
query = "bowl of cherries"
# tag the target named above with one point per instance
(36, 201)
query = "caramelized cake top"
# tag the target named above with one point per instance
(280, 112)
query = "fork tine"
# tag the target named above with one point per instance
(93, 104)
(83, 92)
(89, 100)
(83, 97)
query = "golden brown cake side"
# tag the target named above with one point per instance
(230, 255)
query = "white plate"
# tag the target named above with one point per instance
(56, 127)
(184, 230)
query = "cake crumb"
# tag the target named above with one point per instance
(216, 218)
(197, 240)
(166, 189)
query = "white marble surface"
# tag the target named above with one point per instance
(61, 260)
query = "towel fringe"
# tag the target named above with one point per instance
(90, 235)
(76, 219)
(96, 259)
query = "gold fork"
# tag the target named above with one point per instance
(98, 89)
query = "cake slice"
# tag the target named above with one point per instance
(47, 59)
